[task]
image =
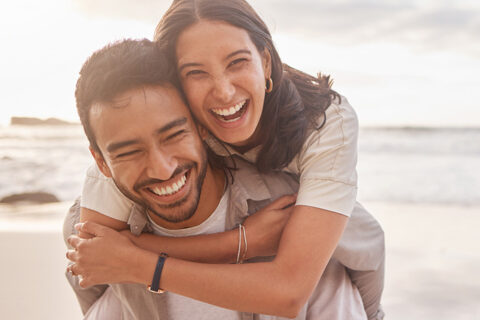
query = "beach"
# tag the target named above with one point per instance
(432, 261)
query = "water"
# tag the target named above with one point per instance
(409, 165)
(415, 165)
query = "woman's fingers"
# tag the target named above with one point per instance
(283, 202)
(92, 228)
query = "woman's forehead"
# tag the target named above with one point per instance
(208, 38)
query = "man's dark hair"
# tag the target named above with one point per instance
(116, 68)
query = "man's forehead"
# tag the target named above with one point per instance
(160, 100)
(138, 109)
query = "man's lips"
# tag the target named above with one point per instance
(173, 186)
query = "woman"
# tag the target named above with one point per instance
(278, 118)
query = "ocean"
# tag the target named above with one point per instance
(401, 165)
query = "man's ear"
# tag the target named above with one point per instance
(267, 63)
(101, 164)
(202, 132)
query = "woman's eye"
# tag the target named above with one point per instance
(237, 61)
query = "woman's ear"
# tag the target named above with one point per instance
(101, 164)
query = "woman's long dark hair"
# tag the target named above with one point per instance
(297, 101)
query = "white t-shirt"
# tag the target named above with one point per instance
(325, 167)
(181, 307)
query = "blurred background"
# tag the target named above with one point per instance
(409, 68)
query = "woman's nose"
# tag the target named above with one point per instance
(224, 89)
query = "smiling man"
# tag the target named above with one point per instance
(143, 136)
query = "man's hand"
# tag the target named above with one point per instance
(107, 257)
(264, 228)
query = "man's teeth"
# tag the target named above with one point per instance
(230, 111)
(171, 189)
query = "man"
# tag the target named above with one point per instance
(143, 136)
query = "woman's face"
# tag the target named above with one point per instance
(223, 76)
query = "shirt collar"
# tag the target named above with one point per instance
(225, 150)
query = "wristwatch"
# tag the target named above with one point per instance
(154, 287)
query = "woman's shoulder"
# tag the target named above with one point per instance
(335, 129)
(339, 110)
(339, 124)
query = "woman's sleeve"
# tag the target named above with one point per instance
(327, 161)
(102, 195)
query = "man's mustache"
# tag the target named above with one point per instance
(141, 184)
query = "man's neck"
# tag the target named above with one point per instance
(213, 188)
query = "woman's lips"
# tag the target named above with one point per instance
(232, 114)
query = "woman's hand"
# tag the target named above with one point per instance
(264, 228)
(107, 257)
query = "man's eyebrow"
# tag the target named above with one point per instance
(186, 65)
(118, 145)
(121, 144)
(172, 124)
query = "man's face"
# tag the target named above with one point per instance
(151, 148)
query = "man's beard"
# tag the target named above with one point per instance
(187, 212)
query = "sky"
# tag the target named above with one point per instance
(399, 62)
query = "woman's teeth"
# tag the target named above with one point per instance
(226, 112)
(171, 189)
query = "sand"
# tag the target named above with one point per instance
(33, 285)
(432, 261)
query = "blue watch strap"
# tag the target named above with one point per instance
(154, 287)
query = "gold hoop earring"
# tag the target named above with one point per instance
(269, 85)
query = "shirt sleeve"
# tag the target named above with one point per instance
(102, 195)
(326, 164)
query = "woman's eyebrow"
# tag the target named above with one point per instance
(238, 52)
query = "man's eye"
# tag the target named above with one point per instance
(176, 134)
(194, 72)
(126, 154)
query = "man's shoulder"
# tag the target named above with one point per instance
(262, 186)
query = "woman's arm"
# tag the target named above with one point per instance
(280, 287)
(264, 230)
(94, 216)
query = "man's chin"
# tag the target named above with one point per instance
(174, 213)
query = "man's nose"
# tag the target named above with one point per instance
(223, 89)
(161, 165)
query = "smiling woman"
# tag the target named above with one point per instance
(226, 97)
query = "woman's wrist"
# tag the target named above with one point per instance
(144, 263)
